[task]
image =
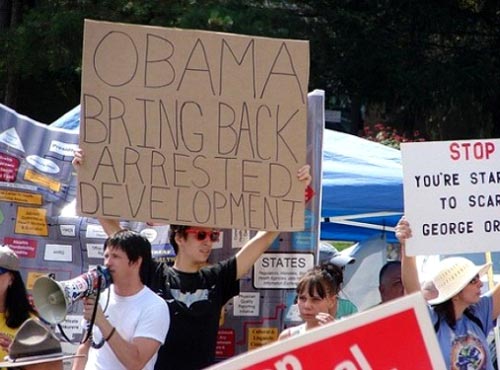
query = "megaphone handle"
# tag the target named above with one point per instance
(94, 312)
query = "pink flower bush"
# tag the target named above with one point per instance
(389, 136)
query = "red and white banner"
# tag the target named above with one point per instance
(395, 336)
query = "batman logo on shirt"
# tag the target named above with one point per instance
(189, 298)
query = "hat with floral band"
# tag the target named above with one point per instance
(34, 343)
(454, 273)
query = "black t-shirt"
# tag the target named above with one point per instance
(195, 301)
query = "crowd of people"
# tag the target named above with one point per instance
(161, 316)
(194, 290)
(461, 315)
(169, 307)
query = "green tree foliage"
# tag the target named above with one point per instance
(431, 66)
(426, 65)
(45, 49)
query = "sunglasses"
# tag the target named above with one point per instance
(474, 280)
(3, 271)
(202, 235)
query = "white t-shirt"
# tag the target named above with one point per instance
(142, 315)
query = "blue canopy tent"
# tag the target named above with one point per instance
(362, 190)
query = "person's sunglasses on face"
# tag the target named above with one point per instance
(474, 280)
(202, 235)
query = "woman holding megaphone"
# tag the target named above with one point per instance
(14, 305)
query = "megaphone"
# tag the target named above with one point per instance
(54, 298)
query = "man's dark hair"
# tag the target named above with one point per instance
(384, 269)
(135, 246)
(177, 230)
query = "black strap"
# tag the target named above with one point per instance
(437, 324)
(475, 319)
(61, 330)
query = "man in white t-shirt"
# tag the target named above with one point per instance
(128, 334)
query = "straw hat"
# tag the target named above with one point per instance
(34, 343)
(453, 275)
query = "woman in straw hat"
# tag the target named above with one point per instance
(14, 305)
(462, 317)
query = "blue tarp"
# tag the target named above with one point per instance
(70, 120)
(362, 191)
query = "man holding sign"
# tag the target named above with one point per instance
(195, 291)
(199, 130)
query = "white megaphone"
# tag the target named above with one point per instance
(53, 298)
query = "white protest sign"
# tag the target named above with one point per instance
(409, 343)
(452, 196)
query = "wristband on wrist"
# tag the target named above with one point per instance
(110, 334)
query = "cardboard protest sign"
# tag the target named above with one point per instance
(396, 335)
(192, 127)
(452, 196)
